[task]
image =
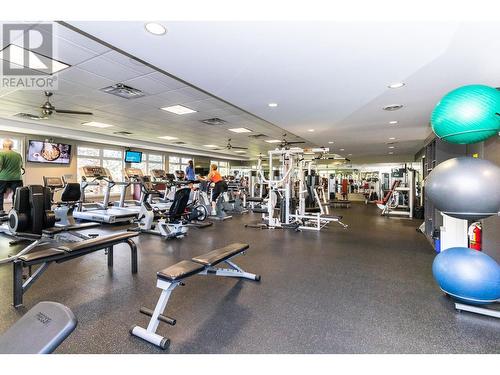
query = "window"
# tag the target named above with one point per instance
(222, 167)
(109, 158)
(177, 163)
(149, 162)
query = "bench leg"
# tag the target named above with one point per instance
(17, 288)
(109, 250)
(234, 271)
(133, 254)
(149, 334)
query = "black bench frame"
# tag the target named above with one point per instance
(59, 252)
(201, 265)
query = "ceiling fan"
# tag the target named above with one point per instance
(229, 146)
(284, 143)
(47, 109)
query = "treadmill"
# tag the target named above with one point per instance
(134, 176)
(100, 212)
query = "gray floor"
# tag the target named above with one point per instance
(368, 289)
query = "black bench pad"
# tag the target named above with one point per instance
(181, 270)
(220, 255)
(312, 209)
(100, 241)
(56, 229)
(250, 199)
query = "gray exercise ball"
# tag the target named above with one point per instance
(465, 188)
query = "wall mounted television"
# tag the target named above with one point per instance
(48, 152)
(133, 156)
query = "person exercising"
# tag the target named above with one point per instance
(215, 178)
(11, 164)
(190, 175)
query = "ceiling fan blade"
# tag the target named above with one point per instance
(69, 112)
(239, 148)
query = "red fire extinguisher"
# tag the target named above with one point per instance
(475, 236)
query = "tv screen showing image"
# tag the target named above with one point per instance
(48, 152)
(133, 156)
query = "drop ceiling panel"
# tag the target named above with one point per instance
(109, 69)
(127, 62)
(85, 78)
(148, 85)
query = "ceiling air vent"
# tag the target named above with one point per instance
(392, 107)
(123, 133)
(178, 143)
(214, 121)
(123, 91)
(257, 136)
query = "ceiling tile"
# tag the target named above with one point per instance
(109, 69)
(84, 78)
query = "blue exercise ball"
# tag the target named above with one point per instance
(467, 115)
(467, 275)
(465, 188)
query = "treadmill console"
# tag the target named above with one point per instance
(133, 173)
(158, 174)
(53, 182)
(96, 172)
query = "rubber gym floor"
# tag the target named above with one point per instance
(367, 289)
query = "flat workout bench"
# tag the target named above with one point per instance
(169, 278)
(62, 252)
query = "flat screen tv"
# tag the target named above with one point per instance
(48, 152)
(133, 156)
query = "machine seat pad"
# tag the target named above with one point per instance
(41, 254)
(98, 242)
(313, 209)
(256, 199)
(181, 270)
(219, 255)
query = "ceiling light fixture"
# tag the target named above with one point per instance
(240, 151)
(155, 28)
(394, 122)
(178, 109)
(349, 154)
(273, 141)
(240, 130)
(391, 146)
(15, 55)
(396, 85)
(341, 149)
(210, 146)
(96, 124)
(273, 105)
(390, 153)
(392, 107)
(330, 142)
(310, 130)
(392, 138)
(168, 137)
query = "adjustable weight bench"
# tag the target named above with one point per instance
(170, 278)
(58, 252)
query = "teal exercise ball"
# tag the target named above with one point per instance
(467, 115)
(467, 275)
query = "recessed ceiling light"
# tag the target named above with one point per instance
(210, 146)
(155, 28)
(273, 105)
(349, 154)
(391, 146)
(240, 151)
(310, 130)
(394, 122)
(390, 153)
(396, 85)
(44, 64)
(97, 124)
(168, 137)
(392, 138)
(392, 107)
(273, 141)
(330, 142)
(240, 130)
(341, 149)
(178, 109)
